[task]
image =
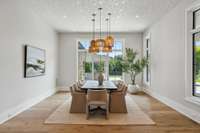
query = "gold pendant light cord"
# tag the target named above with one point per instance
(93, 20)
(109, 14)
(107, 26)
(100, 23)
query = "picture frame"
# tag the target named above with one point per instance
(34, 62)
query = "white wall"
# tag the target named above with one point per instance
(67, 72)
(168, 60)
(19, 26)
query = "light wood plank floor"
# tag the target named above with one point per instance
(167, 120)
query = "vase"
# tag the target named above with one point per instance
(100, 78)
(133, 89)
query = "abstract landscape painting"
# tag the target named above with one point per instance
(34, 61)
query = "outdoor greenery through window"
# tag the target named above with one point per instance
(196, 54)
(89, 64)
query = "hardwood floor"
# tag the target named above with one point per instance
(167, 120)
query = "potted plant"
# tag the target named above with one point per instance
(133, 66)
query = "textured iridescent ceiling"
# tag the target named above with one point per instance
(75, 15)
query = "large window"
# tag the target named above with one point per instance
(196, 54)
(88, 63)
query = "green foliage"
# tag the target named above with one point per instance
(115, 66)
(197, 63)
(88, 67)
(99, 66)
(133, 66)
(40, 61)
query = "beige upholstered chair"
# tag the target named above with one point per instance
(78, 101)
(80, 83)
(77, 87)
(119, 83)
(97, 98)
(118, 101)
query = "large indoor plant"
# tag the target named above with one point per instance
(133, 66)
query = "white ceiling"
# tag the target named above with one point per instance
(75, 15)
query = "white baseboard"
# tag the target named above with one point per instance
(12, 112)
(63, 88)
(192, 114)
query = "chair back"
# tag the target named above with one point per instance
(120, 83)
(97, 95)
(80, 83)
(124, 89)
(71, 90)
(77, 88)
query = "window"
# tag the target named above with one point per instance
(192, 54)
(115, 68)
(147, 56)
(88, 63)
(196, 53)
(146, 53)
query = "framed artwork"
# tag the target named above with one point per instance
(34, 64)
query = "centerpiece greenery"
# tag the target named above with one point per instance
(100, 69)
(132, 65)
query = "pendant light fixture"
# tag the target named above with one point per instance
(93, 44)
(100, 44)
(109, 39)
(100, 41)
(107, 47)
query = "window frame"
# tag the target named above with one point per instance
(189, 52)
(193, 64)
(145, 50)
(194, 27)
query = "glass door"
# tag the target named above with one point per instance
(89, 64)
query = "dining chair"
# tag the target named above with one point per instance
(118, 100)
(78, 101)
(97, 98)
(77, 87)
(80, 83)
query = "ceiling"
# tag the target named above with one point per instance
(75, 15)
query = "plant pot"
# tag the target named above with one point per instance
(133, 88)
(100, 78)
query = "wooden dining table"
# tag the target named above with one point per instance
(93, 84)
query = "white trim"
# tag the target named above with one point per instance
(194, 6)
(63, 88)
(195, 30)
(193, 99)
(188, 112)
(188, 51)
(12, 112)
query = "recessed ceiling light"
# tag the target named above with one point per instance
(101, 2)
(78, 2)
(116, 3)
(137, 16)
(123, 2)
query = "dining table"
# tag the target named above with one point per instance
(93, 84)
